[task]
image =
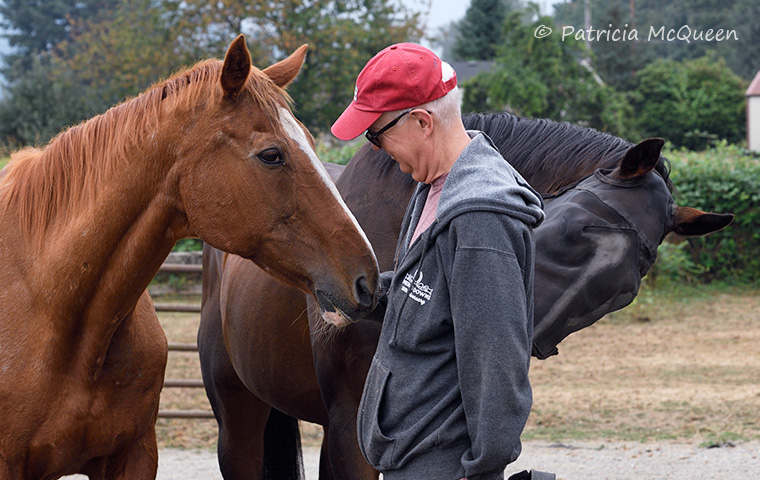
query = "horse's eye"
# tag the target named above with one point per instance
(271, 156)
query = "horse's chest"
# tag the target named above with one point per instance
(88, 416)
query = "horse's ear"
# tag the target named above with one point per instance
(284, 72)
(237, 67)
(639, 159)
(691, 222)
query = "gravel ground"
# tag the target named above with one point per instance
(575, 461)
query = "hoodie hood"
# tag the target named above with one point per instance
(482, 181)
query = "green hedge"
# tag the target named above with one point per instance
(340, 152)
(724, 179)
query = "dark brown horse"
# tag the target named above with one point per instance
(599, 239)
(85, 223)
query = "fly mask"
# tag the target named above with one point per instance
(599, 239)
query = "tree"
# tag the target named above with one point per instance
(39, 104)
(123, 52)
(547, 77)
(480, 31)
(342, 35)
(36, 26)
(691, 103)
(103, 58)
(740, 52)
(341, 43)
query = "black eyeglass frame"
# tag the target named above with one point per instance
(374, 138)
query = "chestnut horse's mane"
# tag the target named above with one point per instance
(48, 183)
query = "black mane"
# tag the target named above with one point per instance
(552, 155)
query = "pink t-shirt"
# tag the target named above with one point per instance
(431, 206)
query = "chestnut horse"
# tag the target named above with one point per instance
(213, 152)
(599, 239)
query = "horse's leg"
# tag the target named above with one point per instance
(241, 415)
(242, 419)
(343, 447)
(139, 462)
(325, 469)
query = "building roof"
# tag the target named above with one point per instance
(468, 69)
(754, 87)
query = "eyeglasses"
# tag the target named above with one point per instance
(374, 138)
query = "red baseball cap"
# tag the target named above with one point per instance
(401, 76)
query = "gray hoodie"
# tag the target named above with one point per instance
(448, 395)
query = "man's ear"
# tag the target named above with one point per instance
(424, 119)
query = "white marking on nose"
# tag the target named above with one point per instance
(295, 131)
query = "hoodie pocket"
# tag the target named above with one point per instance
(376, 447)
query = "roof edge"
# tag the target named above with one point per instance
(754, 87)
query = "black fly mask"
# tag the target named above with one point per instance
(597, 242)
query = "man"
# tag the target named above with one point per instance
(447, 395)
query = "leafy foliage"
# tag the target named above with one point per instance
(37, 26)
(724, 179)
(103, 60)
(96, 60)
(691, 103)
(342, 36)
(480, 31)
(340, 154)
(122, 53)
(38, 105)
(611, 57)
(674, 265)
(188, 245)
(547, 77)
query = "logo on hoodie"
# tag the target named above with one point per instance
(420, 292)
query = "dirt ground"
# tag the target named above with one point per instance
(671, 367)
(675, 370)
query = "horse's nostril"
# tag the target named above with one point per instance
(364, 295)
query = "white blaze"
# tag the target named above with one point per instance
(295, 131)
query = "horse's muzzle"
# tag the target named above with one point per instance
(365, 297)
(339, 312)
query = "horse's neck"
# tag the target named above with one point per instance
(547, 154)
(93, 268)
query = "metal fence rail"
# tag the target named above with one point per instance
(182, 347)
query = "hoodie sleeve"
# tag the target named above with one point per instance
(490, 283)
